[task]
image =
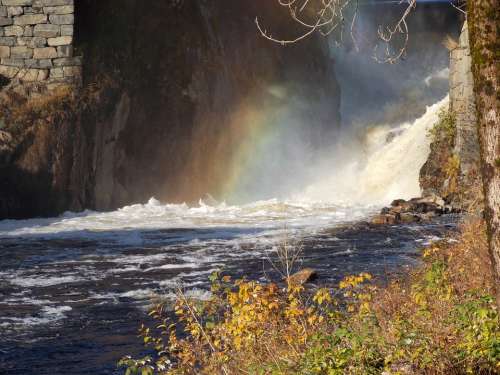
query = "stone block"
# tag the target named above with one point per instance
(65, 51)
(60, 41)
(65, 61)
(8, 71)
(9, 41)
(47, 31)
(62, 19)
(33, 10)
(28, 31)
(67, 30)
(30, 19)
(1, 31)
(21, 52)
(72, 71)
(56, 73)
(33, 75)
(14, 11)
(32, 42)
(51, 3)
(5, 21)
(19, 63)
(38, 63)
(17, 2)
(3, 11)
(45, 53)
(63, 9)
(4, 52)
(13, 30)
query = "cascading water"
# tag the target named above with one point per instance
(103, 268)
(388, 168)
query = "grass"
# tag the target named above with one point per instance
(441, 319)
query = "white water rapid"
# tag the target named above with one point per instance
(386, 168)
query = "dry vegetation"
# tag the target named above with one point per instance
(19, 113)
(442, 319)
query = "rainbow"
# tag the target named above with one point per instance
(233, 161)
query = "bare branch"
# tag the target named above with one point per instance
(388, 34)
(326, 16)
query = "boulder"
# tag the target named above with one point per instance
(408, 218)
(414, 210)
(398, 202)
(386, 219)
(303, 276)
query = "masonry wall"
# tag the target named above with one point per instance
(462, 104)
(36, 44)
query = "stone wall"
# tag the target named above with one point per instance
(434, 175)
(462, 104)
(36, 44)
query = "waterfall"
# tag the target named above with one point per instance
(383, 167)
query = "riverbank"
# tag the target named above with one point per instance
(441, 318)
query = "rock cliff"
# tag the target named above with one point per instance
(451, 170)
(183, 75)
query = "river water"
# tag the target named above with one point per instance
(74, 289)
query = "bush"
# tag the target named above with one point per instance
(445, 129)
(452, 172)
(440, 320)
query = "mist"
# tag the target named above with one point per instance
(379, 102)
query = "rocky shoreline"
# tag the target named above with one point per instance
(415, 210)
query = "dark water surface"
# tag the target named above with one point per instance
(72, 305)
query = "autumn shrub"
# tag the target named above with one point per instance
(444, 130)
(441, 319)
(452, 172)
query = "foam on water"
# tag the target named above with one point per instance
(46, 315)
(129, 224)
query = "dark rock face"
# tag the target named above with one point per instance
(434, 178)
(47, 171)
(184, 76)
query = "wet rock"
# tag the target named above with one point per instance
(397, 202)
(303, 276)
(414, 210)
(386, 219)
(407, 218)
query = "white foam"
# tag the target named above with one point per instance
(261, 218)
(140, 294)
(391, 169)
(40, 281)
(47, 315)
